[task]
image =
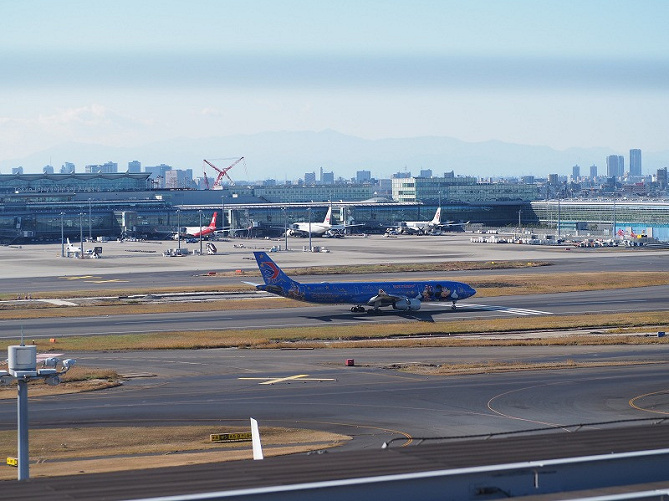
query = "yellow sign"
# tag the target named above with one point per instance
(230, 437)
(13, 462)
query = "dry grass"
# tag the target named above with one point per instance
(42, 310)
(383, 335)
(64, 451)
(76, 380)
(546, 283)
(487, 367)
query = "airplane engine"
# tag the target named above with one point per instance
(407, 304)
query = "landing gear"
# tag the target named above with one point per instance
(453, 306)
(358, 309)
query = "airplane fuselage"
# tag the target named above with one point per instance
(316, 229)
(361, 292)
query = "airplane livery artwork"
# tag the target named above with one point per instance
(405, 296)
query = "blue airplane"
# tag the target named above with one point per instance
(405, 296)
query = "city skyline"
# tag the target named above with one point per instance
(382, 158)
(131, 74)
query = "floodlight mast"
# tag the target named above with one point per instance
(22, 362)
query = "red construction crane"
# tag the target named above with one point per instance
(221, 173)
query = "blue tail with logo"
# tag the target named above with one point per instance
(276, 281)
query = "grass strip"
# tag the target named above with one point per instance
(488, 367)
(64, 451)
(384, 335)
(78, 379)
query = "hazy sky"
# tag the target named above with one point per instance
(558, 73)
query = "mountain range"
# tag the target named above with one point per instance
(285, 155)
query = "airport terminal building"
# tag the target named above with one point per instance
(42, 207)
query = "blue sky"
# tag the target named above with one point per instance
(557, 73)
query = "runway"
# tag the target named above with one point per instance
(573, 303)
(371, 401)
(313, 389)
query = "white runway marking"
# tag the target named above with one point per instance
(298, 377)
(510, 311)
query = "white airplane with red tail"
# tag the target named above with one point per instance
(197, 231)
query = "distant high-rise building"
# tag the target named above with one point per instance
(327, 177)
(157, 176)
(310, 178)
(135, 166)
(425, 173)
(401, 175)
(575, 172)
(17, 171)
(553, 179)
(662, 178)
(67, 168)
(528, 179)
(107, 168)
(47, 169)
(593, 171)
(179, 178)
(615, 166)
(635, 162)
(363, 176)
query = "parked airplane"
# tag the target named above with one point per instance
(318, 229)
(405, 296)
(425, 227)
(73, 249)
(196, 231)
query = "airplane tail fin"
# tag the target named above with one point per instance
(276, 280)
(213, 221)
(328, 216)
(437, 216)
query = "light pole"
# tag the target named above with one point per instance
(81, 234)
(614, 220)
(178, 229)
(22, 365)
(285, 225)
(62, 236)
(309, 211)
(223, 227)
(200, 212)
(90, 235)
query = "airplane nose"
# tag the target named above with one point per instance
(470, 291)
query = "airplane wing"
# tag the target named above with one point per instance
(384, 299)
(397, 302)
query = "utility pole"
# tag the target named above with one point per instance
(285, 225)
(179, 229)
(309, 211)
(22, 365)
(614, 220)
(62, 236)
(200, 212)
(81, 235)
(90, 234)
